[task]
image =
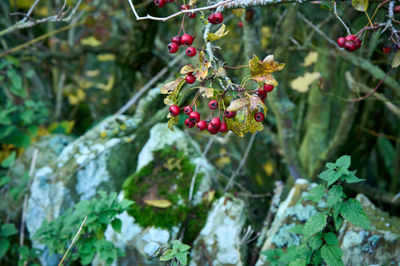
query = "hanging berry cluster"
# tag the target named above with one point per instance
(231, 107)
(350, 42)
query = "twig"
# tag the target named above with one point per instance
(73, 241)
(318, 30)
(148, 85)
(242, 162)
(337, 16)
(25, 204)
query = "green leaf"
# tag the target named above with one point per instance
(335, 195)
(332, 255)
(353, 211)
(330, 165)
(4, 180)
(182, 257)
(167, 255)
(351, 178)
(297, 229)
(218, 34)
(396, 60)
(8, 230)
(298, 262)
(4, 246)
(116, 225)
(317, 193)
(331, 239)
(360, 5)
(7, 162)
(16, 84)
(343, 162)
(330, 176)
(315, 224)
(315, 241)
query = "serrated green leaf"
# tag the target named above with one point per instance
(360, 5)
(332, 255)
(396, 60)
(343, 162)
(351, 178)
(297, 229)
(353, 211)
(335, 195)
(315, 224)
(315, 241)
(298, 262)
(126, 203)
(330, 165)
(167, 255)
(316, 193)
(182, 257)
(4, 246)
(330, 176)
(331, 239)
(116, 225)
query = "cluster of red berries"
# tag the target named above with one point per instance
(161, 3)
(263, 91)
(215, 18)
(350, 43)
(186, 40)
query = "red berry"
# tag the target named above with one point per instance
(194, 117)
(213, 104)
(262, 93)
(223, 128)
(174, 110)
(268, 88)
(191, 51)
(160, 3)
(190, 79)
(350, 46)
(386, 49)
(259, 116)
(184, 7)
(358, 43)
(189, 123)
(201, 125)
(215, 122)
(396, 9)
(341, 41)
(192, 15)
(211, 18)
(170, 1)
(212, 129)
(173, 48)
(229, 114)
(350, 38)
(240, 24)
(186, 39)
(218, 18)
(187, 110)
(176, 39)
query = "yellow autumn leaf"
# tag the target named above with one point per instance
(254, 102)
(92, 73)
(81, 95)
(360, 5)
(106, 57)
(238, 12)
(72, 99)
(109, 85)
(218, 34)
(207, 92)
(262, 68)
(310, 59)
(172, 86)
(267, 79)
(187, 69)
(90, 41)
(238, 104)
(302, 83)
(268, 168)
(173, 121)
(192, 2)
(219, 72)
(203, 70)
(209, 196)
(396, 60)
(103, 134)
(159, 203)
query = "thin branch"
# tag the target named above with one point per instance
(337, 16)
(73, 241)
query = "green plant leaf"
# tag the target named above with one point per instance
(396, 60)
(330, 176)
(353, 211)
(116, 225)
(332, 255)
(360, 5)
(315, 241)
(298, 262)
(167, 255)
(316, 194)
(297, 229)
(4, 246)
(315, 224)
(8, 230)
(335, 195)
(351, 178)
(182, 257)
(343, 162)
(7, 162)
(331, 239)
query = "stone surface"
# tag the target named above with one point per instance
(219, 240)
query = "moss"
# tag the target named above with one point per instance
(167, 177)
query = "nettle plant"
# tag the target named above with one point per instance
(177, 255)
(319, 242)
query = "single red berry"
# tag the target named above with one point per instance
(350, 46)
(259, 116)
(186, 39)
(215, 122)
(341, 41)
(262, 93)
(176, 39)
(189, 123)
(190, 79)
(174, 110)
(268, 88)
(386, 49)
(160, 3)
(211, 129)
(223, 128)
(187, 110)
(229, 114)
(184, 7)
(240, 24)
(201, 125)
(396, 9)
(173, 47)
(213, 104)
(194, 117)
(191, 51)
(192, 15)
(218, 18)
(211, 18)
(350, 38)
(357, 43)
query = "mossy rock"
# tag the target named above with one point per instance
(166, 177)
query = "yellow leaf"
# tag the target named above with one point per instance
(173, 121)
(92, 73)
(159, 203)
(106, 57)
(203, 71)
(262, 68)
(396, 60)
(256, 101)
(207, 92)
(81, 95)
(73, 100)
(187, 69)
(90, 41)
(244, 122)
(238, 12)
(238, 104)
(267, 79)
(122, 127)
(209, 196)
(222, 161)
(192, 2)
(268, 168)
(310, 59)
(218, 34)
(219, 72)
(109, 85)
(172, 86)
(360, 5)
(302, 83)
